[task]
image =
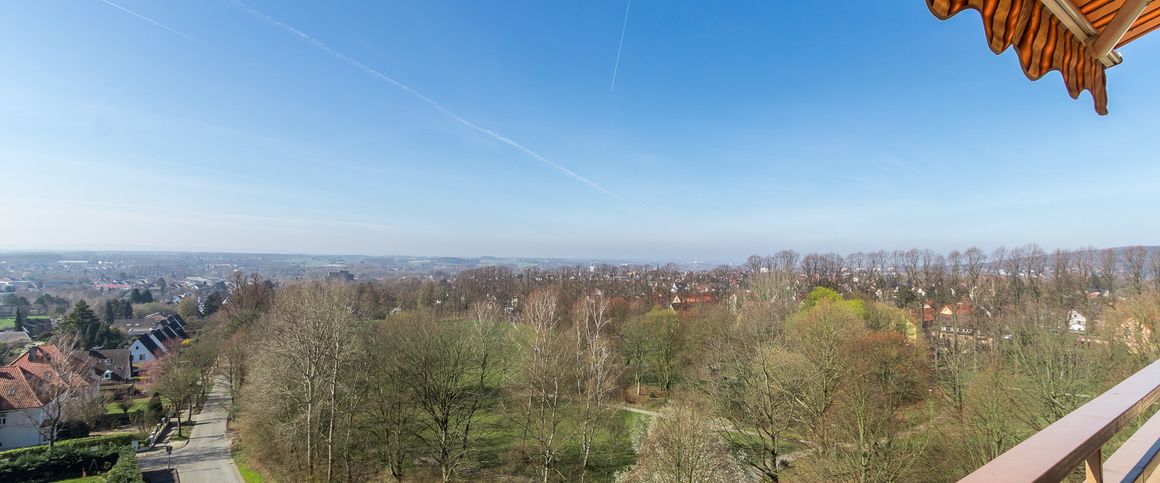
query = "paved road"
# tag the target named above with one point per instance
(206, 458)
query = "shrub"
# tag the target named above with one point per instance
(119, 439)
(70, 457)
(73, 429)
(60, 463)
(126, 470)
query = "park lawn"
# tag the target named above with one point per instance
(498, 446)
(139, 404)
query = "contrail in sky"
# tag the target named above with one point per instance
(623, 28)
(166, 27)
(439, 107)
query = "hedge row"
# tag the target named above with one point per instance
(126, 470)
(119, 439)
(60, 463)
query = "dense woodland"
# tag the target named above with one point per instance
(797, 368)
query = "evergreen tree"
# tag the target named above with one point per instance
(135, 296)
(111, 310)
(126, 309)
(211, 304)
(84, 324)
(146, 296)
(154, 411)
(20, 318)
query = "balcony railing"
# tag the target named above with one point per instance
(1053, 453)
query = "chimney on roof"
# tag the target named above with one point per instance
(32, 353)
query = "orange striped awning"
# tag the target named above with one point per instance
(1078, 38)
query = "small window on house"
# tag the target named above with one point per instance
(3, 419)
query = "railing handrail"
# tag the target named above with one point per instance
(1054, 452)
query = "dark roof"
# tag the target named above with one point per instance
(151, 346)
(179, 330)
(116, 360)
(164, 326)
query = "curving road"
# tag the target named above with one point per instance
(206, 457)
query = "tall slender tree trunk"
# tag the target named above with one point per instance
(310, 429)
(333, 413)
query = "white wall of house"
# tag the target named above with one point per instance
(19, 428)
(138, 353)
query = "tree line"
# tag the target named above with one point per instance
(805, 368)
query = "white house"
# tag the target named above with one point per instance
(151, 335)
(146, 348)
(21, 411)
(26, 391)
(1076, 322)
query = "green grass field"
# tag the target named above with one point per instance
(138, 405)
(7, 323)
(501, 448)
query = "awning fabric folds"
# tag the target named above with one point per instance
(1042, 43)
(1075, 37)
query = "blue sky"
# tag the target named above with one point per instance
(733, 128)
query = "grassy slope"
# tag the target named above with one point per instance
(249, 475)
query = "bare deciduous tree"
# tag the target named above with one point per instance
(450, 376)
(1136, 260)
(758, 400)
(64, 384)
(546, 380)
(682, 446)
(597, 371)
(307, 339)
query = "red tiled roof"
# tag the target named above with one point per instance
(15, 390)
(41, 366)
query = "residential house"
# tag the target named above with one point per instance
(687, 301)
(112, 366)
(1076, 322)
(21, 411)
(27, 390)
(151, 335)
(957, 318)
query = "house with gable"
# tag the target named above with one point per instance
(151, 335)
(21, 410)
(28, 386)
